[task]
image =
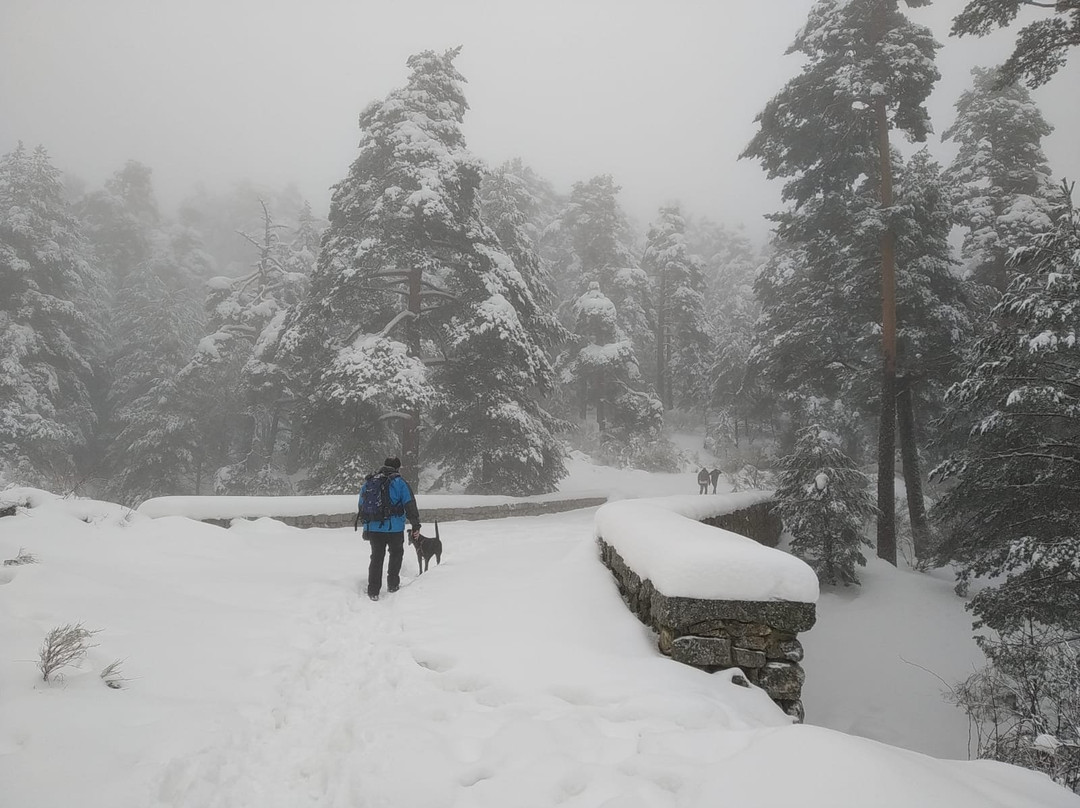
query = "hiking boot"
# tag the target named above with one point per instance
(392, 588)
(373, 596)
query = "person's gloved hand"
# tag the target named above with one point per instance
(414, 532)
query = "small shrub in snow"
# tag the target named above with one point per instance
(22, 558)
(111, 675)
(1024, 705)
(824, 501)
(64, 645)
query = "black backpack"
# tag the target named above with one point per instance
(375, 505)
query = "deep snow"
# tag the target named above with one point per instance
(511, 675)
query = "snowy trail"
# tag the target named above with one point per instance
(386, 683)
(511, 675)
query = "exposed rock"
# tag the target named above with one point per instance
(781, 680)
(789, 650)
(702, 652)
(683, 613)
(748, 659)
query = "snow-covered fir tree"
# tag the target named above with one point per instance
(152, 435)
(1003, 192)
(408, 271)
(517, 205)
(602, 366)
(825, 503)
(239, 360)
(119, 222)
(683, 348)
(1012, 512)
(599, 248)
(730, 265)
(50, 304)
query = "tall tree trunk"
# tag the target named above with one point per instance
(886, 495)
(410, 427)
(909, 453)
(601, 415)
(271, 437)
(661, 344)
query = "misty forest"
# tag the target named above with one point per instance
(906, 319)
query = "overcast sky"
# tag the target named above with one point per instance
(661, 94)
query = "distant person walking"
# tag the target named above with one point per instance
(385, 502)
(703, 481)
(714, 475)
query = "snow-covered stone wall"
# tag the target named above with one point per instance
(717, 599)
(335, 511)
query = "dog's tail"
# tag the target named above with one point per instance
(436, 528)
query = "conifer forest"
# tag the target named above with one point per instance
(899, 358)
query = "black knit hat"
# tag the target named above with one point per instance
(392, 462)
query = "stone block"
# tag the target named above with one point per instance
(752, 643)
(789, 650)
(781, 680)
(746, 659)
(665, 641)
(683, 613)
(702, 652)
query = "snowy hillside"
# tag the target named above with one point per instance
(511, 675)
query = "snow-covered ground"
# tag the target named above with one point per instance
(511, 675)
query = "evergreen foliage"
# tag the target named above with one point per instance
(825, 503)
(1042, 46)
(603, 366)
(1013, 510)
(50, 327)
(1002, 189)
(407, 251)
(683, 348)
(152, 431)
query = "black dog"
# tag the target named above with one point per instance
(426, 547)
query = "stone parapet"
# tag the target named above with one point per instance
(444, 514)
(758, 637)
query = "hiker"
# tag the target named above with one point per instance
(703, 481)
(714, 475)
(386, 501)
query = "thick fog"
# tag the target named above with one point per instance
(660, 95)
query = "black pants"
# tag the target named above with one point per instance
(379, 543)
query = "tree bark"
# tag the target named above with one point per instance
(410, 427)
(661, 344)
(886, 518)
(909, 453)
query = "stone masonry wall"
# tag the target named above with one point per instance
(429, 515)
(760, 638)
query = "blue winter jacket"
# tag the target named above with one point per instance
(400, 494)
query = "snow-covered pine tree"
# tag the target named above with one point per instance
(868, 70)
(516, 204)
(153, 448)
(153, 434)
(603, 367)
(683, 348)
(1003, 192)
(730, 266)
(119, 223)
(825, 503)
(407, 269)
(1012, 512)
(50, 299)
(1042, 46)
